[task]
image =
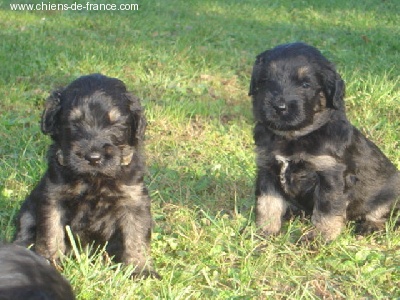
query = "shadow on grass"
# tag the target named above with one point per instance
(214, 193)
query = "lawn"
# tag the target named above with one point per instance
(190, 63)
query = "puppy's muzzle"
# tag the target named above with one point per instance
(99, 153)
(93, 158)
(284, 103)
(96, 157)
(280, 107)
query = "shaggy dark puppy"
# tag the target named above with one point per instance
(308, 153)
(27, 276)
(94, 182)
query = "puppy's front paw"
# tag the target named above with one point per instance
(328, 226)
(267, 231)
(269, 213)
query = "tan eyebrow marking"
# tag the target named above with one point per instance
(114, 115)
(273, 66)
(75, 114)
(302, 71)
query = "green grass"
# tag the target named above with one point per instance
(190, 63)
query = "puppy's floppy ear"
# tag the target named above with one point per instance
(50, 113)
(139, 123)
(255, 75)
(334, 88)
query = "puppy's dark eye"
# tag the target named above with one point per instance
(73, 126)
(274, 93)
(305, 85)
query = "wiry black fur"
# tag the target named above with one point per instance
(335, 172)
(94, 181)
(27, 276)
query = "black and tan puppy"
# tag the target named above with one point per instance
(94, 182)
(302, 134)
(27, 276)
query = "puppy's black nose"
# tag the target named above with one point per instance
(280, 107)
(93, 158)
